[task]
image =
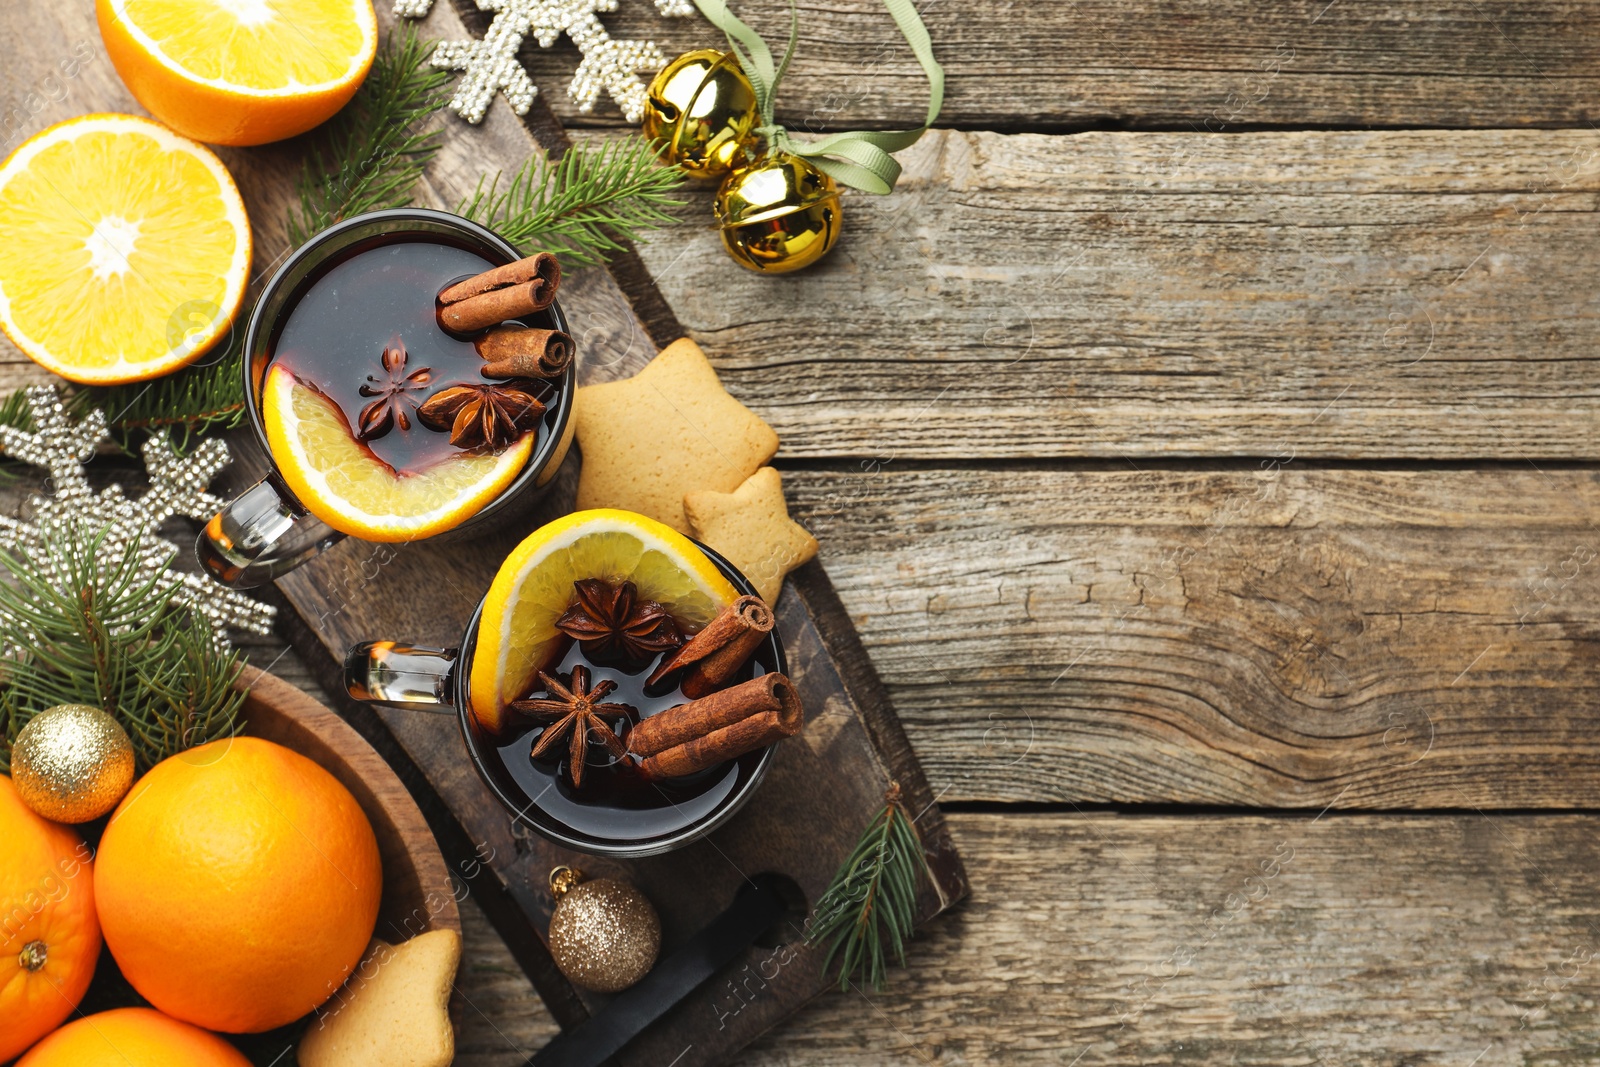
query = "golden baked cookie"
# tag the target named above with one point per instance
(751, 526)
(394, 1010)
(670, 429)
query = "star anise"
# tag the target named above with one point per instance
(393, 393)
(611, 620)
(477, 415)
(575, 713)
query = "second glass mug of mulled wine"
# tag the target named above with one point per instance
(618, 808)
(408, 375)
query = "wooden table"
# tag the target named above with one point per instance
(1201, 438)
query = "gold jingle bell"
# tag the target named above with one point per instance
(701, 109)
(778, 214)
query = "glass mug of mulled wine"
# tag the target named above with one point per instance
(409, 375)
(644, 776)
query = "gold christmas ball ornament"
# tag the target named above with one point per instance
(72, 763)
(779, 214)
(701, 109)
(604, 934)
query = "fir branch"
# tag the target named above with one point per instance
(870, 907)
(102, 633)
(372, 153)
(582, 206)
(15, 412)
(200, 398)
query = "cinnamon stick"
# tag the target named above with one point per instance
(716, 728)
(542, 267)
(507, 292)
(715, 654)
(524, 352)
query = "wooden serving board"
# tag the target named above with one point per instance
(821, 792)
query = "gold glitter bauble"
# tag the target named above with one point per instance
(72, 763)
(604, 934)
(700, 110)
(779, 214)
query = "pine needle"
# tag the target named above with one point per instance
(870, 907)
(371, 154)
(203, 397)
(582, 206)
(107, 635)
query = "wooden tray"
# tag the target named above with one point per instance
(820, 794)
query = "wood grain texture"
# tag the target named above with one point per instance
(1145, 62)
(1155, 942)
(1126, 940)
(1374, 639)
(1371, 295)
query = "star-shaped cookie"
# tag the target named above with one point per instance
(752, 528)
(394, 1010)
(668, 430)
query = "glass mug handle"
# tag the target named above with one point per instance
(388, 672)
(242, 544)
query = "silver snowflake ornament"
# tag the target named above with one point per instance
(491, 66)
(178, 486)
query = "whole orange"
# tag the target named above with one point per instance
(238, 885)
(49, 936)
(132, 1037)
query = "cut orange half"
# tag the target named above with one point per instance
(517, 633)
(124, 249)
(342, 483)
(240, 72)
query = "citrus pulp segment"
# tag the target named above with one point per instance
(342, 483)
(517, 632)
(240, 72)
(124, 249)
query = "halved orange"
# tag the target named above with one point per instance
(517, 633)
(124, 249)
(342, 483)
(240, 72)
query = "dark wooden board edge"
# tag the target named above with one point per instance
(871, 698)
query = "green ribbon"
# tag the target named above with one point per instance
(859, 159)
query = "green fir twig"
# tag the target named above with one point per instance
(372, 153)
(870, 907)
(104, 633)
(581, 206)
(204, 397)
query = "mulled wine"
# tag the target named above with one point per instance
(616, 801)
(365, 333)
(625, 794)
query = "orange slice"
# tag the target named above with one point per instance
(124, 249)
(517, 633)
(240, 72)
(342, 483)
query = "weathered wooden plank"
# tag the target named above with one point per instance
(1370, 639)
(1146, 62)
(1415, 294)
(1282, 637)
(1151, 942)
(1212, 940)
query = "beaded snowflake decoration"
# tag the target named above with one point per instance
(490, 65)
(177, 487)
